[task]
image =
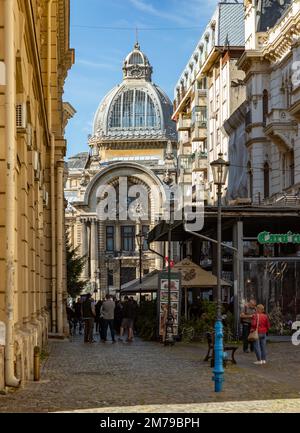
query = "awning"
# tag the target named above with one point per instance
(149, 284)
(192, 275)
(255, 218)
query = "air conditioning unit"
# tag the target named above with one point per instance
(29, 131)
(21, 116)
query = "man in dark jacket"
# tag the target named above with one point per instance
(88, 314)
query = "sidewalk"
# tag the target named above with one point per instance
(148, 376)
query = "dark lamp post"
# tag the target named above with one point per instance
(140, 239)
(169, 331)
(220, 169)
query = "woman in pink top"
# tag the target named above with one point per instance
(260, 321)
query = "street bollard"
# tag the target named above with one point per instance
(218, 349)
(37, 369)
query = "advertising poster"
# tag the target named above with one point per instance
(175, 297)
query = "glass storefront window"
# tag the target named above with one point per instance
(274, 284)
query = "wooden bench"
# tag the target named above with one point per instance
(210, 351)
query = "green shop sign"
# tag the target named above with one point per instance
(269, 238)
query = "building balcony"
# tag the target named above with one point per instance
(199, 132)
(183, 124)
(279, 115)
(200, 162)
(281, 127)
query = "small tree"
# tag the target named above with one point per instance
(75, 265)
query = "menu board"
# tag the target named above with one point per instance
(175, 298)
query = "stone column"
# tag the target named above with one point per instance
(84, 246)
(94, 249)
(238, 271)
(118, 244)
(60, 243)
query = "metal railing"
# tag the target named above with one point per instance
(278, 199)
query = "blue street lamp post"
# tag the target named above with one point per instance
(220, 171)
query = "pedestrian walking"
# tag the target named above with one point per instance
(107, 312)
(246, 318)
(118, 316)
(71, 319)
(98, 312)
(78, 316)
(261, 323)
(88, 314)
(129, 315)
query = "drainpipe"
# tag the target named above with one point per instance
(59, 267)
(10, 139)
(52, 174)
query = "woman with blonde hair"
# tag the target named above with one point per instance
(261, 323)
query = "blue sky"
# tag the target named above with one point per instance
(100, 51)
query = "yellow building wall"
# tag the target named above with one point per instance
(32, 224)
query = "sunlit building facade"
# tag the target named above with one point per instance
(133, 138)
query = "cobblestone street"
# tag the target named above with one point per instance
(144, 376)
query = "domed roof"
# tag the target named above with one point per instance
(136, 108)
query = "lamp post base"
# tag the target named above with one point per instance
(169, 340)
(218, 377)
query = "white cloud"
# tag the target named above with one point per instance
(150, 9)
(97, 65)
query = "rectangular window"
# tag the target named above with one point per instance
(128, 238)
(127, 274)
(110, 238)
(110, 277)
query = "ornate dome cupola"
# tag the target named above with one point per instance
(136, 65)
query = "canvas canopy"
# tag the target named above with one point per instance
(192, 275)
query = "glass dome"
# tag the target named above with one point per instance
(136, 108)
(133, 109)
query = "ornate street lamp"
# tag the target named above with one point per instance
(169, 331)
(220, 169)
(140, 239)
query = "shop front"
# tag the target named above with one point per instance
(263, 254)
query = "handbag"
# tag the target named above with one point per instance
(253, 336)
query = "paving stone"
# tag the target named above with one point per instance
(149, 377)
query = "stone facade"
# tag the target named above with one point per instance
(35, 57)
(209, 90)
(271, 64)
(133, 140)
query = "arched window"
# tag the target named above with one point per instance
(139, 115)
(116, 114)
(265, 106)
(133, 108)
(250, 180)
(266, 180)
(135, 59)
(127, 112)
